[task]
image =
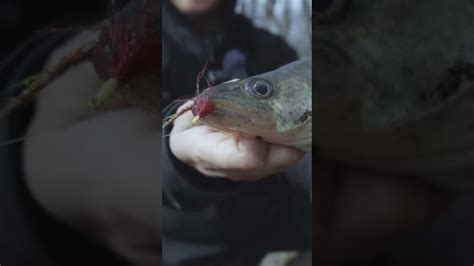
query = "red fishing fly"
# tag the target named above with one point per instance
(203, 104)
(129, 47)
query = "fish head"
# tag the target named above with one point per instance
(266, 105)
(389, 60)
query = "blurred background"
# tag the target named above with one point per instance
(20, 18)
(282, 17)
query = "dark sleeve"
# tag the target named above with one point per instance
(184, 187)
(29, 234)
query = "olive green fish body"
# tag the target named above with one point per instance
(275, 106)
(395, 83)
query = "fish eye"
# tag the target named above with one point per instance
(329, 10)
(259, 87)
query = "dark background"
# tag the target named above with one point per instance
(28, 236)
(19, 19)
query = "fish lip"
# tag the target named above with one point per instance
(225, 113)
(221, 103)
(224, 106)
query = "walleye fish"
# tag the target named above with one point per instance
(275, 106)
(395, 83)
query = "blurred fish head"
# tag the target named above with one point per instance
(388, 61)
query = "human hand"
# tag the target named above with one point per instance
(360, 213)
(99, 172)
(218, 154)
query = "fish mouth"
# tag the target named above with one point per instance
(230, 120)
(226, 106)
(229, 113)
(235, 116)
(225, 99)
(226, 110)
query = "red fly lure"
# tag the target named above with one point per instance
(127, 43)
(201, 104)
(128, 49)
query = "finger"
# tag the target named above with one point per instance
(219, 154)
(204, 148)
(251, 154)
(282, 157)
(263, 158)
(224, 152)
(263, 161)
(186, 105)
(247, 164)
(183, 122)
(233, 175)
(253, 173)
